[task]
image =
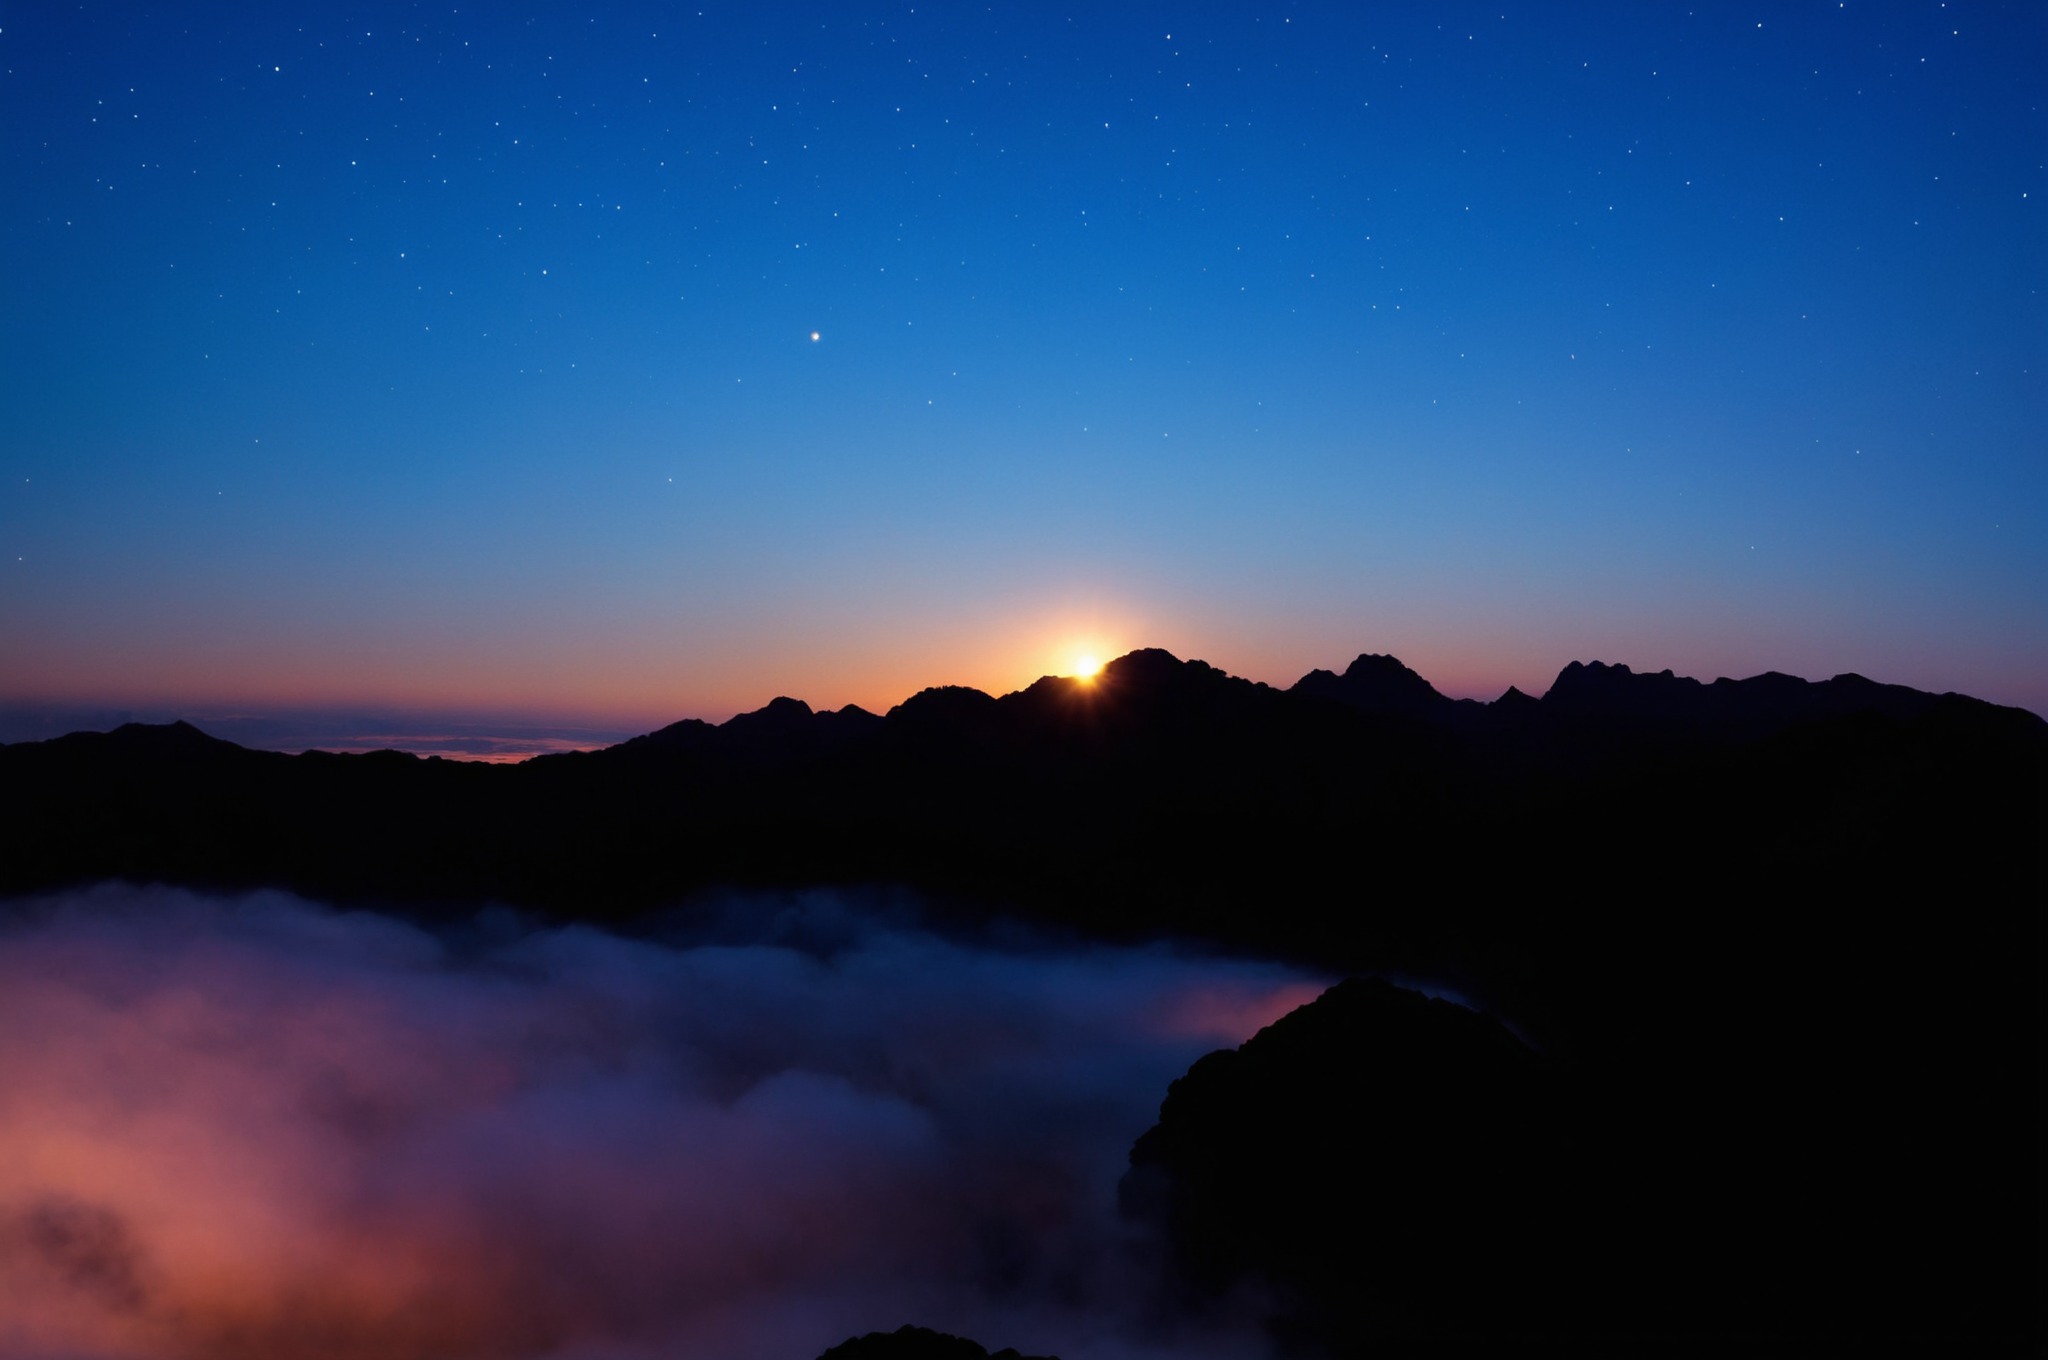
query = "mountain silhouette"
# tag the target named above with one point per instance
(1161, 795)
(918, 1343)
(1378, 684)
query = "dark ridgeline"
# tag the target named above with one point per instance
(1363, 821)
(1777, 945)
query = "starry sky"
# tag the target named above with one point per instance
(620, 363)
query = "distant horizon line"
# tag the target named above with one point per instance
(505, 734)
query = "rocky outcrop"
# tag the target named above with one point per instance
(1849, 1165)
(1389, 1161)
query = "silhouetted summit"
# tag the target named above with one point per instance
(782, 714)
(918, 1343)
(1156, 668)
(1513, 700)
(1377, 684)
(784, 728)
(1762, 703)
(945, 706)
(1616, 691)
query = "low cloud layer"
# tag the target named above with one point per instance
(258, 1128)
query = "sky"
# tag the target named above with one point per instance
(255, 1127)
(608, 365)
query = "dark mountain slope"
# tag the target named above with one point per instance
(1394, 1170)
(1389, 1160)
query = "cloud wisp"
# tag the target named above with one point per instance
(257, 1127)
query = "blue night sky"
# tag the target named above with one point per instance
(631, 362)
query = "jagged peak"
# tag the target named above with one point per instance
(1379, 663)
(781, 711)
(1612, 673)
(1149, 664)
(935, 699)
(1376, 683)
(681, 730)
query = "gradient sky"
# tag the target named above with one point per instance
(633, 362)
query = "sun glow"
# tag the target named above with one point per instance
(1087, 667)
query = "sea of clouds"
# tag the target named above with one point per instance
(256, 1127)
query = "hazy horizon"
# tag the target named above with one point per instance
(501, 736)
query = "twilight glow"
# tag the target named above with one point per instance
(608, 365)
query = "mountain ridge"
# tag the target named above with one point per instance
(1374, 683)
(1156, 797)
(1381, 685)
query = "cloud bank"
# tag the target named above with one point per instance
(254, 1127)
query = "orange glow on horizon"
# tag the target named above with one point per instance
(586, 675)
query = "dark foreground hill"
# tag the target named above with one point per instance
(1389, 1169)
